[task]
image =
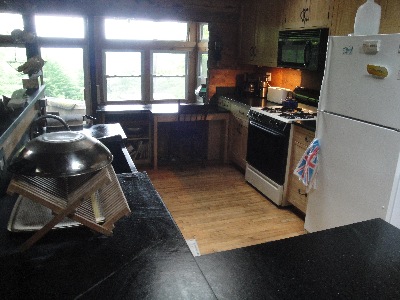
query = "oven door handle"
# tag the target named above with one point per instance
(269, 130)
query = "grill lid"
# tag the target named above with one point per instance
(61, 154)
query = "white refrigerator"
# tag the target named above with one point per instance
(358, 128)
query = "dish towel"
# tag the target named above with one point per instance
(308, 164)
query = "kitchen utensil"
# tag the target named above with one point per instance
(61, 154)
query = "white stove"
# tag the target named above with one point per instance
(268, 147)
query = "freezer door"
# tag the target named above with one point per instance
(347, 88)
(357, 164)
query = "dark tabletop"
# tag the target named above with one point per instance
(146, 258)
(359, 261)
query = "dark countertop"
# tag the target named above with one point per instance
(247, 100)
(10, 120)
(146, 258)
(359, 261)
(162, 108)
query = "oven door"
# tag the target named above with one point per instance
(267, 151)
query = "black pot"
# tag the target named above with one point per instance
(290, 103)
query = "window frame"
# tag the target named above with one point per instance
(67, 42)
(190, 46)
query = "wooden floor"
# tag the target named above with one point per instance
(215, 206)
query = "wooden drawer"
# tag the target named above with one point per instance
(297, 193)
(303, 136)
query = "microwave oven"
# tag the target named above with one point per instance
(303, 49)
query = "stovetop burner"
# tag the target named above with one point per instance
(290, 113)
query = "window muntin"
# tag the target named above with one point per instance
(59, 26)
(63, 73)
(133, 29)
(123, 75)
(169, 75)
(9, 22)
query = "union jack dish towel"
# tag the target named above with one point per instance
(307, 166)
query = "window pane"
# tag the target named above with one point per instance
(204, 34)
(169, 76)
(131, 29)
(203, 65)
(59, 26)
(9, 22)
(124, 88)
(169, 64)
(169, 88)
(123, 63)
(10, 59)
(63, 72)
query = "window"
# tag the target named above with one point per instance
(123, 75)
(156, 71)
(9, 22)
(10, 79)
(59, 26)
(132, 29)
(204, 34)
(63, 73)
(203, 68)
(62, 47)
(169, 74)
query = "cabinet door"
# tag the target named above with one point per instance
(319, 13)
(238, 142)
(294, 14)
(390, 16)
(267, 33)
(344, 14)
(248, 29)
(302, 14)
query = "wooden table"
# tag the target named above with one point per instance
(175, 117)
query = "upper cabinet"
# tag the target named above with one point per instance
(301, 14)
(390, 22)
(259, 32)
(345, 13)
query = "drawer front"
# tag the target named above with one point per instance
(303, 136)
(224, 103)
(297, 193)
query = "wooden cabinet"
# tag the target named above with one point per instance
(259, 32)
(238, 130)
(296, 193)
(137, 128)
(345, 12)
(301, 14)
(238, 133)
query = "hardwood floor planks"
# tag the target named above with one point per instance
(215, 206)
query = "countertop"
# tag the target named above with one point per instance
(358, 261)
(162, 108)
(146, 258)
(262, 102)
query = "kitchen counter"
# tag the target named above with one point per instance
(147, 258)
(162, 108)
(358, 261)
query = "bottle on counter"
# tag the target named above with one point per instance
(368, 18)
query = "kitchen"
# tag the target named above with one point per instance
(280, 77)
